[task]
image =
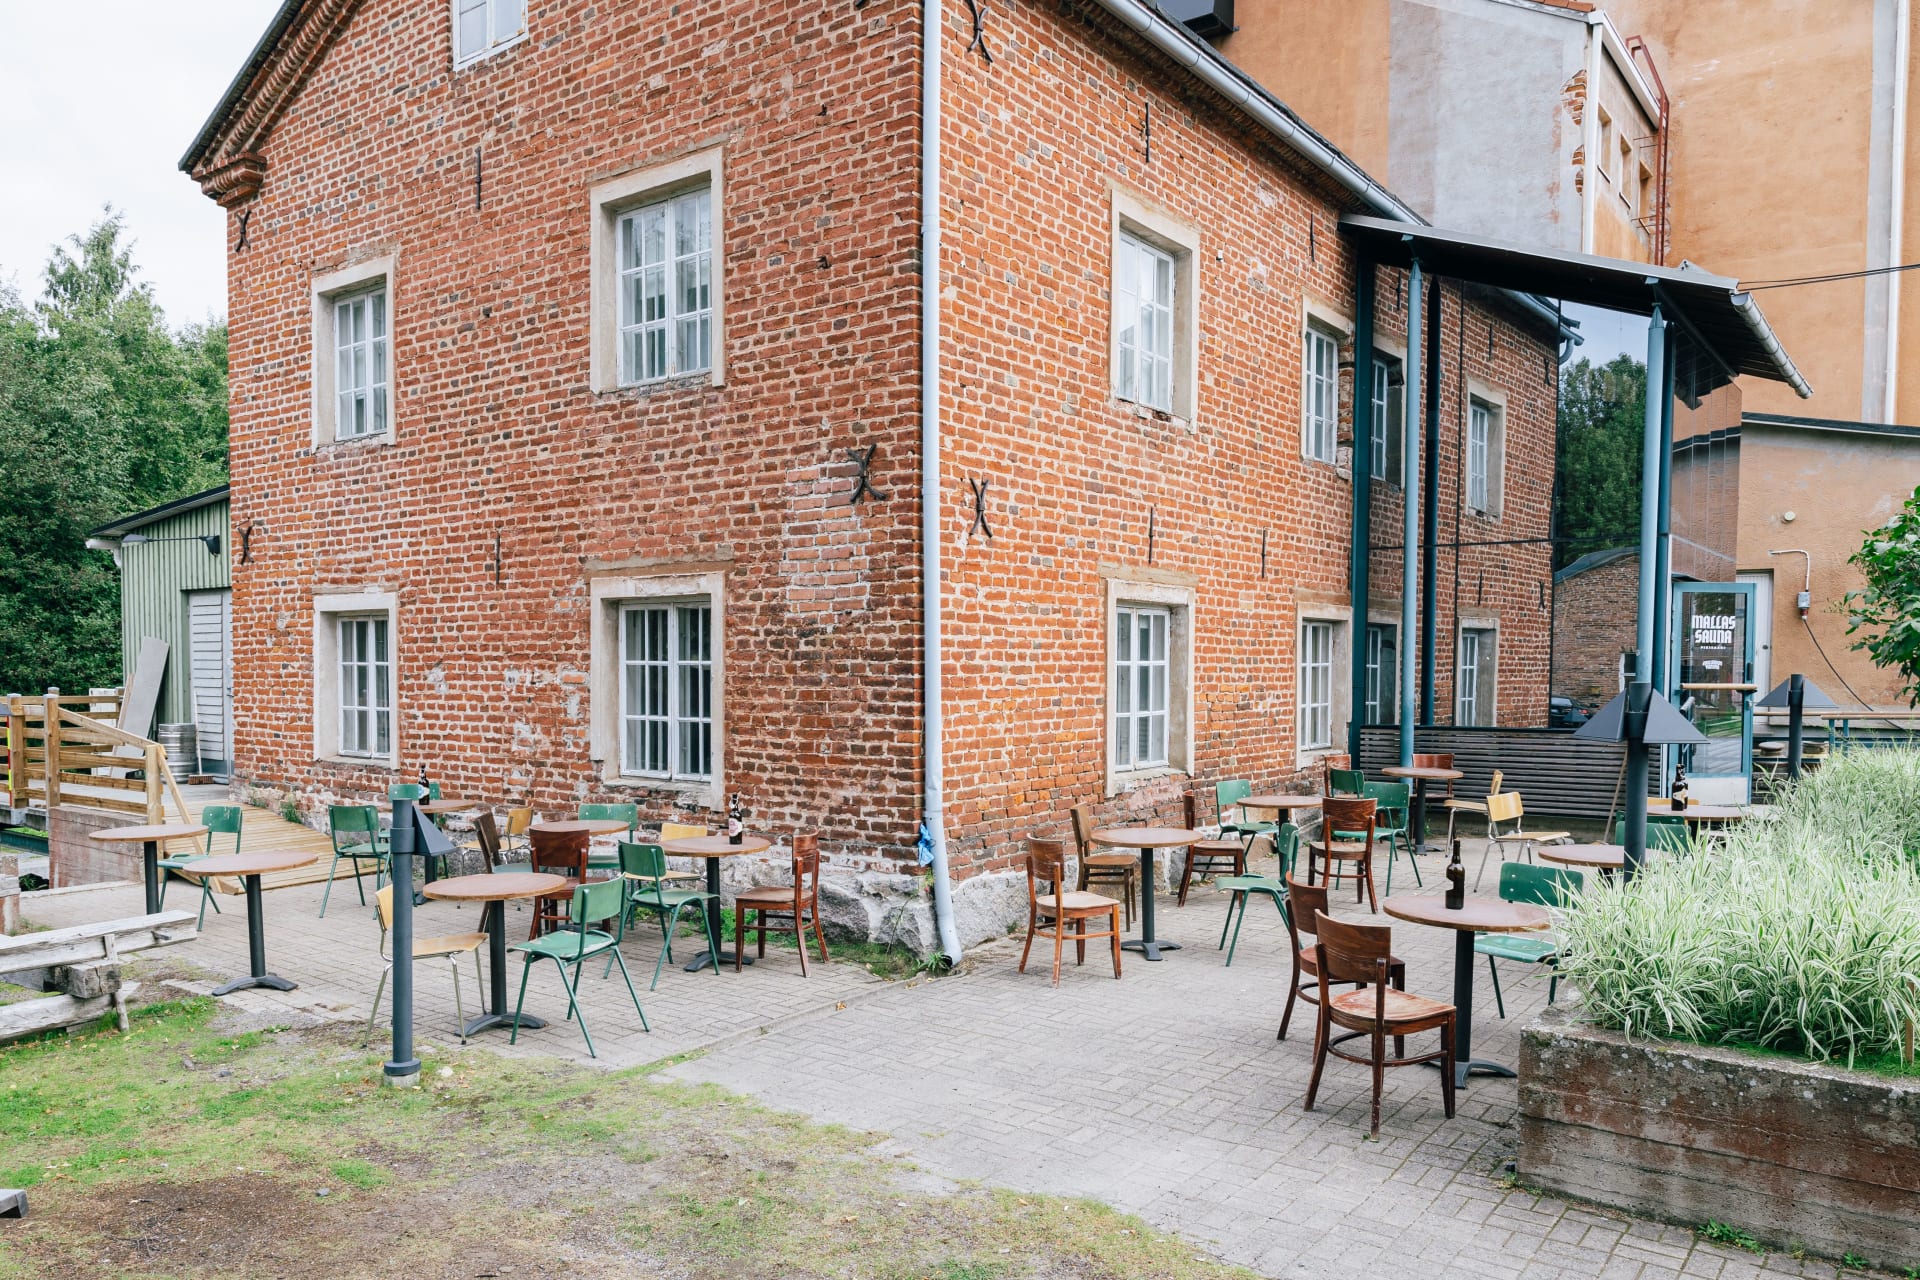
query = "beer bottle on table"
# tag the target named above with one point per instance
(736, 820)
(1456, 881)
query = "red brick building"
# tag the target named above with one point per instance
(563, 338)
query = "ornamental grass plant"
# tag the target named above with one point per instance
(1800, 935)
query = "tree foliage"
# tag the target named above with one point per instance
(104, 410)
(1887, 609)
(1597, 456)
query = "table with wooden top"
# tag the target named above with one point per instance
(1606, 858)
(712, 849)
(1420, 775)
(150, 838)
(1696, 815)
(250, 867)
(1477, 915)
(574, 826)
(445, 805)
(1286, 802)
(1146, 840)
(494, 890)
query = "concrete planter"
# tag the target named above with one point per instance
(1797, 1154)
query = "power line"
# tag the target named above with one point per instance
(1796, 281)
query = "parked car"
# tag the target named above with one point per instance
(1565, 713)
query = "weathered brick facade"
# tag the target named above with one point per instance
(511, 485)
(1596, 603)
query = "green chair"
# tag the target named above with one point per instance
(1667, 834)
(1286, 843)
(356, 835)
(627, 813)
(1228, 795)
(1347, 782)
(598, 901)
(644, 868)
(218, 819)
(1393, 809)
(1525, 882)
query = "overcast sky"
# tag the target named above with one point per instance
(98, 100)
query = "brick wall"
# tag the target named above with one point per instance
(1594, 615)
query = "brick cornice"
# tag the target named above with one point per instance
(228, 159)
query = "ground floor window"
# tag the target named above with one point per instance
(666, 689)
(1383, 675)
(1316, 685)
(1474, 700)
(1140, 686)
(366, 687)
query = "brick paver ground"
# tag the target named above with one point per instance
(1164, 1094)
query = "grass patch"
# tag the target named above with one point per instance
(185, 1148)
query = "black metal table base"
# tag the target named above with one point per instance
(150, 857)
(1146, 945)
(257, 975)
(1151, 949)
(267, 980)
(702, 959)
(493, 918)
(488, 1021)
(1465, 1064)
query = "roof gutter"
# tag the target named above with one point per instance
(1231, 83)
(1763, 333)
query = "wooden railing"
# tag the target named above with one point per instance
(58, 753)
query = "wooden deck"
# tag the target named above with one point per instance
(262, 831)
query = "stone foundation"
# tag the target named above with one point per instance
(1795, 1153)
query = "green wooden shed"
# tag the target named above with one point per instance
(176, 587)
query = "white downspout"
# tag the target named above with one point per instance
(1896, 204)
(931, 12)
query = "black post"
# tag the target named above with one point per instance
(1796, 708)
(404, 1069)
(1639, 695)
(1430, 533)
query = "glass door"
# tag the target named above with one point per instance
(1710, 678)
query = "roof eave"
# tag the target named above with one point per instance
(153, 515)
(203, 142)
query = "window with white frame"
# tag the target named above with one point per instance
(360, 364)
(1142, 703)
(1606, 143)
(1383, 674)
(1143, 306)
(1485, 443)
(366, 687)
(1389, 397)
(666, 690)
(1316, 685)
(481, 26)
(1320, 394)
(1474, 692)
(666, 288)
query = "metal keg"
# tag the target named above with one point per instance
(181, 742)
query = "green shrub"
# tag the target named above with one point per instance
(1801, 934)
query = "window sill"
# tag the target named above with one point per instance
(1135, 778)
(703, 379)
(701, 792)
(389, 763)
(461, 64)
(381, 438)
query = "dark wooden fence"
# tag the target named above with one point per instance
(1554, 772)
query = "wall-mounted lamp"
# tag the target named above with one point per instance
(212, 540)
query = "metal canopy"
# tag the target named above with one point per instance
(1721, 332)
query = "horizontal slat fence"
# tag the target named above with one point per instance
(1555, 772)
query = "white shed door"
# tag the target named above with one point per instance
(209, 624)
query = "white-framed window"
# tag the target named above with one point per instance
(366, 687)
(1606, 143)
(1142, 690)
(482, 26)
(360, 364)
(1388, 401)
(658, 275)
(1474, 691)
(1143, 312)
(666, 690)
(1486, 445)
(355, 678)
(1383, 674)
(1316, 685)
(1320, 394)
(666, 288)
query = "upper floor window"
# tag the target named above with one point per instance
(481, 26)
(360, 365)
(666, 288)
(1605, 157)
(1389, 393)
(1143, 305)
(1485, 446)
(1320, 394)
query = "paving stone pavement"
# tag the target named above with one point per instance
(1164, 1094)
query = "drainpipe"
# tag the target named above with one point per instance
(1410, 541)
(935, 820)
(1650, 497)
(1896, 212)
(1360, 556)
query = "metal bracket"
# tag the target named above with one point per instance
(245, 216)
(1311, 256)
(476, 179)
(862, 484)
(246, 544)
(1263, 553)
(496, 559)
(1146, 129)
(978, 10)
(1151, 513)
(979, 488)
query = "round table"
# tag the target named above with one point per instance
(443, 806)
(1282, 801)
(1146, 840)
(494, 891)
(574, 826)
(1420, 775)
(1477, 915)
(712, 849)
(250, 867)
(1607, 858)
(1696, 813)
(150, 838)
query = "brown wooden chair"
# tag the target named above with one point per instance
(560, 854)
(1103, 868)
(795, 908)
(1345, 815)
(1047, 861)
(1208, 856)
(1362, 953)
(1305, 904)
(1432, 760)
(1328, 763)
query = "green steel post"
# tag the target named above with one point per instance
(1410, 553)
(1360, 557)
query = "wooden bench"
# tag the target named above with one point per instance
(82, 963)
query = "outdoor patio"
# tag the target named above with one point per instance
(1163, 1094)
